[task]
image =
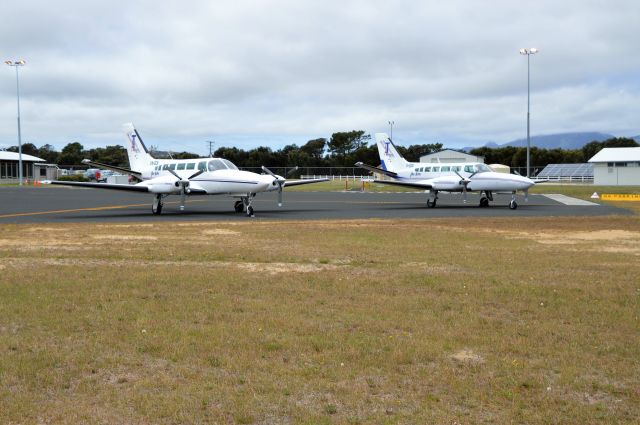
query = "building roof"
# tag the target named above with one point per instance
(617, 155)
(13, 156)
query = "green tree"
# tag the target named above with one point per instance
(71, 155)
(343, 144)
(48, 153)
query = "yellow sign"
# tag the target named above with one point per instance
(619, 197)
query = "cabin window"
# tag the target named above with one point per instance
(172, 166)
(469, 169)
(165, 167)
(421, 169)
(436, 169)
(443, 169)
(456, 168)
(202, 166)
(417, 170)
(191, 166)
(481, 168)
(181, 166)
(427, 169)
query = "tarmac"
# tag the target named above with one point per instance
(54, 204)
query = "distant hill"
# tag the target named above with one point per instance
(561, 140)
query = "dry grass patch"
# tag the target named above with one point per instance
(412, 321)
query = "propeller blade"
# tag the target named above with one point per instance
(182, 198)
(464, 193)
(174, 173)
(193, 176)
(268, 171)
(294, 169)
(280, 196)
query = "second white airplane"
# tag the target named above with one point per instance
(445, 177)
(186, 177)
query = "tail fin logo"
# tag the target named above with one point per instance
(134, 145)
(386, 149)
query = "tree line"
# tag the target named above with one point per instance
(342, 149)
(517, 156)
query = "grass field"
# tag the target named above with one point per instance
(425, 321)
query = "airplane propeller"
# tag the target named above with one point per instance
(278, 180)
(464, 182)
(184, 186)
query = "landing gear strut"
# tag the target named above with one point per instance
(245, 203)
(486, 196)
(156, 207)
(431, 202)
(513, 204)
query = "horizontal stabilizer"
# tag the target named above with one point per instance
(376, 169)
(121, 170)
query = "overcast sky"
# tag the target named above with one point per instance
(250, 73)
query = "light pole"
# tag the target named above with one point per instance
(528, 52)
(16, 65)
(391, 123)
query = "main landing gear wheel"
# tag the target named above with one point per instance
(431, 203)
(250, 211)
(513, 205)
(238, 206)
(484, 202)
(156, 207)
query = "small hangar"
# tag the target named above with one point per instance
(450, 155)
(616, 167)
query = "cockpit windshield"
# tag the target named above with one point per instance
(229, 164)
(216, 164)
(476, 168)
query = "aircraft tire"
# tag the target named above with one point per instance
(238, 206)
(513, 205)
(484, 202)
(431, 203)
(249, 211)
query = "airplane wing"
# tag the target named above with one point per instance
(126, 187)
(376, 169)
(122, 170)
(288, 183)
(414, 185)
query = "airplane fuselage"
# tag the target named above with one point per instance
(447, 177)
(219, 176)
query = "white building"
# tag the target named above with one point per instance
(449, 155)
(9, 166)
(616, 167)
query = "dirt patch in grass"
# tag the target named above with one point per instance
(126, 237)
(269, 268)
(467, 357)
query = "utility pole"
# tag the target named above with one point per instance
(391, 123)
(211, 143)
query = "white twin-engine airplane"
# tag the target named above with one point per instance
(201, 176)
(445, 177)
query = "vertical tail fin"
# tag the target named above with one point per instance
(139, 157)
(390, 158)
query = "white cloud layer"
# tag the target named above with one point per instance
(251, 73)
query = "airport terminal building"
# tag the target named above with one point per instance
(616, 167)
(9, 166)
